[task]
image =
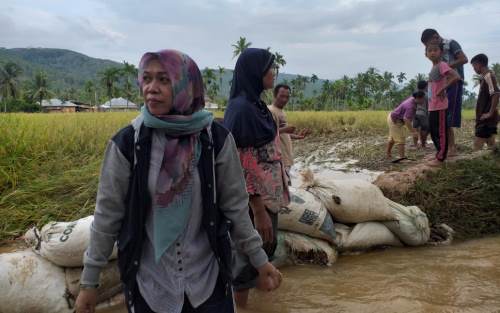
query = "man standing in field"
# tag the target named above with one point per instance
(287, 132)
(455, 57)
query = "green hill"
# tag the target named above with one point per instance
(69, 69)
(65, 68)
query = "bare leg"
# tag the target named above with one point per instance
(423, 138)
(478, 143)
(390, 144)
(401, 150)
(491, 142)
(241, 298)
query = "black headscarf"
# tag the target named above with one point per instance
(246, 116)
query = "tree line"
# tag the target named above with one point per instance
(371, 89)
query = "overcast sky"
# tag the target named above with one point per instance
(326, 37)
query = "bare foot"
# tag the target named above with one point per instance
(435, 163)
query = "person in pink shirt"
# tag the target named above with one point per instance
(441, 77)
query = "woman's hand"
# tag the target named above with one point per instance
(86, 301)
(269, 277)
(441, 93)
(264, 225)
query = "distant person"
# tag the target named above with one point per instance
(401, 119)
(421, 119)
(441, 77)
(454, 56)
(171, 185)
(256, 136)
(287, 132)
(487, 117)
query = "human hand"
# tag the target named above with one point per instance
(264, 226)
(485, 116)
(86, 301)
(441, 93)
(269, 277)
(288, 129)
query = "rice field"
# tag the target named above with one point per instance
(49, 163)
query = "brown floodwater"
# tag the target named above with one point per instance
(463, 277)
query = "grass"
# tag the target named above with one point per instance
(465, 195)
(49, 163)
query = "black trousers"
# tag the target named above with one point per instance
(219, 302)
(438, 126)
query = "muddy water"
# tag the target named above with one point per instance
(463, 277)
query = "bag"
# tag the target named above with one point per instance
(350, 200)
(109, 281)
(31, 284)
(63, 243)
(306, 215)
(296, 248)
(412, 225)
(364, 236)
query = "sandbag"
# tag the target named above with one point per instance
(109, 281)
(412, 225)
(31, 284)
(63, 243)
(364, 236)
(306, 215)
(296, 248)
(349, 200)
(113, 304)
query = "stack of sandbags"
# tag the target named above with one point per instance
(63, 243)
(294, 248)
(306, 215)
(372, 220)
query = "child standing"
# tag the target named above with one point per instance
(421, 119)
(441, 77)
(399, 118)
(487, 103)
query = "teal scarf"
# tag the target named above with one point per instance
(174, 186)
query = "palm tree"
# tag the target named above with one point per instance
(240, 46)
(9, 81)
(108, 79)
(40, 89)
(279, 59)
(89, 88)
(221, 75)
(128, 70)
(401, 77)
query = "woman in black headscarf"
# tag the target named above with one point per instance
(256, 136)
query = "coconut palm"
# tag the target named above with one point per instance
(9, 82)
(40, 87)
(108, 79)
(240, 46)
(127, 71)
(401, 77)
(279, 59)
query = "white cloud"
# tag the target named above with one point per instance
(328, 38)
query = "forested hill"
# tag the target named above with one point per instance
(64, 68)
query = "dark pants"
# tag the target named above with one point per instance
(454, 94)
(438, 125)
(219, 302)
(247, 278)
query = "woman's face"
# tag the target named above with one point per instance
(156, 88)
(268, 79)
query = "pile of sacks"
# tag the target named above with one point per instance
(346, 215)
(49, 273)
